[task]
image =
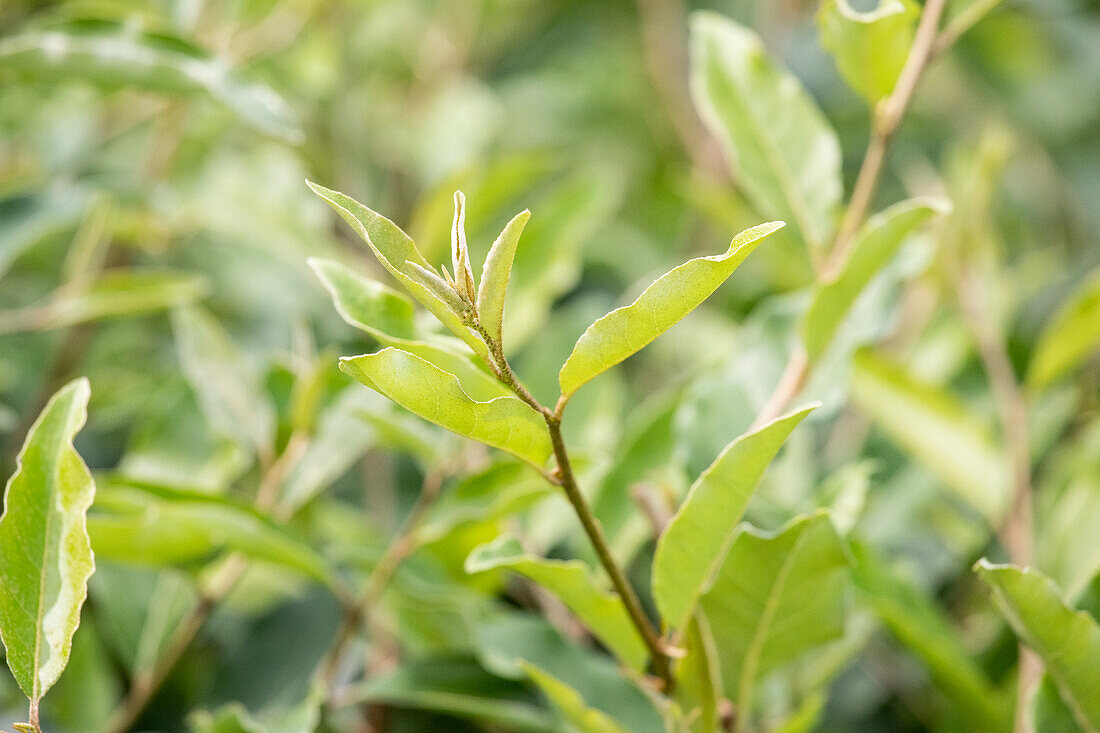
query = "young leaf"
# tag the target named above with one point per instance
(785, 152)
(696, 541)
(775, 597)
(875, 245)
(495, 274)
(571, 705)
(1071, 336)
(869, 47)
(602, 612)
(388, 317)
(47, 557)
(669, 298)
(938, 431)
(460, 252)
(397, 253)
(114, 54)
(436, 395)
(1067, 641)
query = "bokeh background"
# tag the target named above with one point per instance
(154, 235)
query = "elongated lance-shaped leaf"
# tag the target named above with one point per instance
(786, 154)
(46, 555)
(433, 394)
(114, 54)
(936, 429)
(875, 245)
(460, 251)
(570, 704)
(1067, 641)
(495, 274)
(1071, 336)
(696, 541)
(669, 298)
(776, 597)
(388, 316)
(570, 580)
(869, 47)
(397, 253)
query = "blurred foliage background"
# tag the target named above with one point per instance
(154, 236)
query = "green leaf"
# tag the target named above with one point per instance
(776, 596)
(27, 218)
(1070, 337)
(672, 296)
(388, 317)
(495, 274)
(399, 255)
(918, 624)
(1049, 713)
(115, 54)
(227, 388)
(786, 154)
(698, 676)
(696, 541)
(1067, 641)
(937, 430)
(436, 395)
(570, 703)
(869, 47)
(875, 245)
(571, 581)
(47, 557)
(155, 525)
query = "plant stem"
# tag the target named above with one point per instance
(886, 120)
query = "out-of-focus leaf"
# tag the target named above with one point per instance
(571, 581)
(227, 388)
(938, 431)
(398, 254)
(916, 622)
(672, 296)
(47, 558)
(806, 717)
(571, 705)
(388, 317)
(869, 47)
(696, 541)
(493, 288)
(26, 218)
(435, 395)
(1070, 337)
(875, 245)
(119, 55)
(1049, 712)
(501, 490)
(698, 676)
(776, 597)
(461, 688)
(786, 154)
(302, 717)
(1067, 641)
(153, 525)
(86, 695)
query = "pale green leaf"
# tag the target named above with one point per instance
(437, 396)
(669, 298)
(1067, 641)
(27, 218)
(571, 581)
(399, 255)
(155, 525)
(388, 317)
(776, 597)
(874, 246)
(114, 54)
(1071, 336)
(46, 555)
(571, 705)
(699, 677)
(869, 47)
(227, 387)
(1049, 713)
(495, 274)
(918, 624)
(696, 541)
(936, 429)
(786, 154)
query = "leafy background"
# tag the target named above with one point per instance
(154, 236)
